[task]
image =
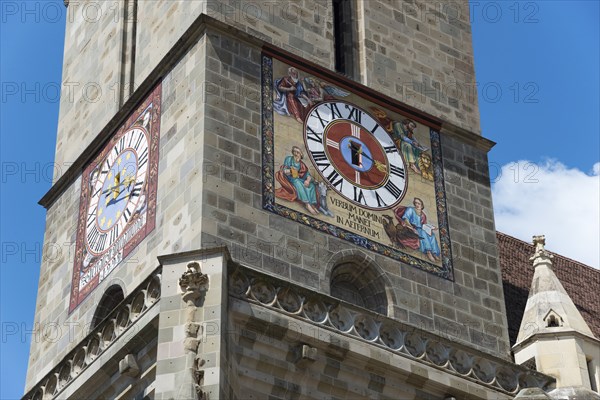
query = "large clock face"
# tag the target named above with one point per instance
(355, 155)
(117, 186)
(117, 208)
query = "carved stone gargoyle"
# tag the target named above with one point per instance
(193, 282)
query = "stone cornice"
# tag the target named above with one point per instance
(377, 330)
(114, 326)
(559, 333)
(466, 136)
(199, 254)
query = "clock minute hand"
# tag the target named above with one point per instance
(118, 199)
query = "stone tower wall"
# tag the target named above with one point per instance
(209, 186)
(418, 52)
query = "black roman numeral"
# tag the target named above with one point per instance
(355, 114)
(101, 240)
(359, 196)
(323, 165)
(390, 149)
(380, 202)
(91, 218)
(318, 156)
(375, 128)
(323, 122)
(335, 111)
(393, 189)
(397, 171)
(332, 179)
(137, 188)
(314, 136)
(92, 237)
(127, 214)
(143, 158)
(114, 234)
(139, 141)
(320, 159)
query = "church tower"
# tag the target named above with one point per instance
(271, 200)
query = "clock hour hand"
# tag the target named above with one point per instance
(117, 199)
(127, 181)
(378, 164)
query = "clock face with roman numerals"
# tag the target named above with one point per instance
(351, 163)
(355, 155)
(117, 186)
(117, 208)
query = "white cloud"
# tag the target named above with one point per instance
(554, 200)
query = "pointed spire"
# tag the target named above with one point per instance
(549, 308)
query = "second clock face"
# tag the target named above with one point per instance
(355, 155)
(116, 187)
(117, 207)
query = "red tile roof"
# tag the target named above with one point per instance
(581, 282)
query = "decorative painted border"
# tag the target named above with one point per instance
(154, 99)
(440, 196)
(445, 271)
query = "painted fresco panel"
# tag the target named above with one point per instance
(353, 168)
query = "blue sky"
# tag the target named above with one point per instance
(543, 59)
(537, 68)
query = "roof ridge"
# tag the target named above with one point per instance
(555, 254)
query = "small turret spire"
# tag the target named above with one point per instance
(549, 308)
(541, 255)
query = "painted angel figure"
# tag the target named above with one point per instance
(295, 96)
(383, 119)
(319, 91)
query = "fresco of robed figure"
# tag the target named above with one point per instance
(297, 184)
(415, 219)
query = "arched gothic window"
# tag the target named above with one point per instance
(552, 322)
(359, 284)
(111, 298)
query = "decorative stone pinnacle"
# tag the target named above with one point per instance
(193, 281)
(541, 254)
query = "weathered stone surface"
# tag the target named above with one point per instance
(209, 190)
